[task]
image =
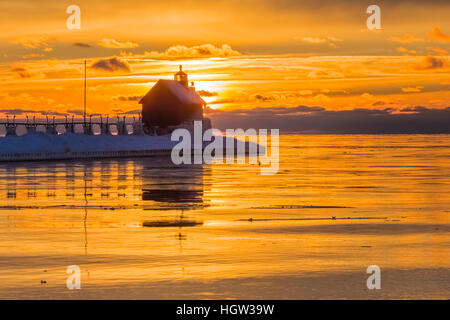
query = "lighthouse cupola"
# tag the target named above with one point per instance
(181, 77)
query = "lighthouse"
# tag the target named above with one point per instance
(181, 77)
(171, 103)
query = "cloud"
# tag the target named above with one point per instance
(415, 109)
(319, 120)
(137, 111)
(128, 98)
(405, 51)
(305, 93)
(331, 41)
(430, 63)
(206, 93)
(32, 55)
(325, 74)
(75, 112)
(227, 100)
(320, 98)
(437, 35)
(407, 38)
(82, 45)
(265, 98)
(438, 51)
(118, 111)
(412, 89)
(201, 51)
(32, 42)
(268, 111)
(19, 111)
(111, 65)
(52, 113)
(306, 109)
(22, 73)
(112, 43)
(379, 103)
(272, 97)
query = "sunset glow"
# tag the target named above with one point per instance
(236, 62)
(246, 153)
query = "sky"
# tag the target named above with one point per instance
(289, 64)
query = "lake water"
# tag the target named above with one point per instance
(339, 204)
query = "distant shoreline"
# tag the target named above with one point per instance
(362, 133)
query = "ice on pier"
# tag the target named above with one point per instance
(72, 142)
(44, 146)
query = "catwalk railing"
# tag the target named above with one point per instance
(88, 126)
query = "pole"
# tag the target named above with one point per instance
(84, 91)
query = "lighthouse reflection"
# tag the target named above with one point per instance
(141, 183)
(173, 187)
(85, 196)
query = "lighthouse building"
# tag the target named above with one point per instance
(172, 104)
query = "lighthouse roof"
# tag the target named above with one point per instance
(177, 90)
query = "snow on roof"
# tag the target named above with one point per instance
(183, 94)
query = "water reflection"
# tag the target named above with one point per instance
(338, 205)
(148, 183)
(99, 188)
(173, 187)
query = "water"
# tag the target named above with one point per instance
(339, 204)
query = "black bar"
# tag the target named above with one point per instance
(229, 309)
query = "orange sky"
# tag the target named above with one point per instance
(241, 54)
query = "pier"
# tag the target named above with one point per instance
(88, 126)
(71, 138)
